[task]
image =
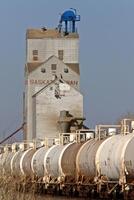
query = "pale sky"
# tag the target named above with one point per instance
(106, 55)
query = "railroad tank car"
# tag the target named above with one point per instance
(114, 157)
(15, 163)
(5, 158)
(85, 160)
(67, 162)
(37, 162)
(7, 164)
(2, 161)
(10, 153)
(51, 159)
(59, 162)
(25, 162)
(20, 162)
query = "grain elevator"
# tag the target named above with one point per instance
(52, 77)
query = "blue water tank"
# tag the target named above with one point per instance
(69, 17)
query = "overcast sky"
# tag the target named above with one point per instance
(106, 55)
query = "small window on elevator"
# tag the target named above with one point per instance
(35, 54)
(60, 54)
(53, 67)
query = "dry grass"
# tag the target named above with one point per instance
(15, 189)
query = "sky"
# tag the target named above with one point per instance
(106, 55)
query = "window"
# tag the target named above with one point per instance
(60, 54)
(53, 67)
(35, 58)
(35, 55)
(43, 70)
(35, 52)
(66, 70)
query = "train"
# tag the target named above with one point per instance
(85, 162)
